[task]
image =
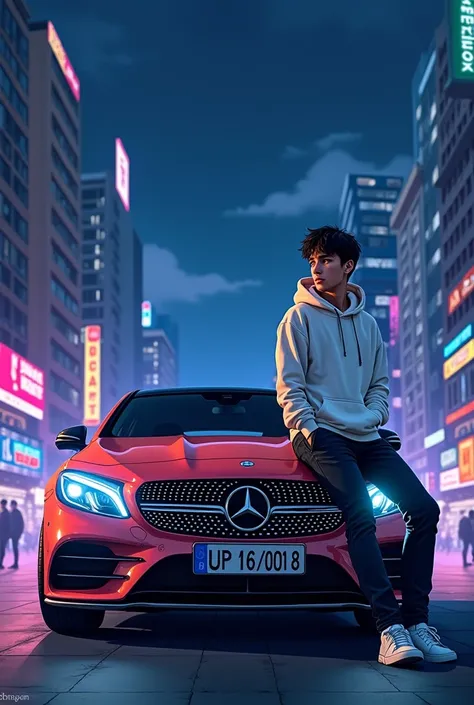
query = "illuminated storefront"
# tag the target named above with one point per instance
(21, 451)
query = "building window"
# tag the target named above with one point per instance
(67, 331)
(64, 172)
(64, 232)
(63, 389)
(64, 296)
(65, 144)
(64, 202)
(12, 95)
(62, 110)
(13, 218)
(65, 265)
(64, 359)
(14, 64)
(375, 206)
(435, 175)
(374, 230)
(365, 181)
(9, 124)
(379, 263)
(64, 84)
(92, 313)
(433, 112)
(436, 221)
(90, 234)
(418, 112)
(434, 134)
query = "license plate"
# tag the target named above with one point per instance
(249, 559)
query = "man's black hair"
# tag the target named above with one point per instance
(4, 501)
(331, 240)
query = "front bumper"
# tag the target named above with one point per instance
(108, 564)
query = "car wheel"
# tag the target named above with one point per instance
(71, 621)
(365, 621)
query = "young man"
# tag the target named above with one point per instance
(332, 383)
(17, 526)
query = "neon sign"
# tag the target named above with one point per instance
(92, 344)
(63, 61)
(122, 174)
(146, 314)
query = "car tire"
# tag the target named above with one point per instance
(70, 621)
(365, 621)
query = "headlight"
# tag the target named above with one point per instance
(382, 505)
(92, 494)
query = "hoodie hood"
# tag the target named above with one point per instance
(306, 294)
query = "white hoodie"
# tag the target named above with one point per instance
(331, 367)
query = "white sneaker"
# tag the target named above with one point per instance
(397, 647)
(428, 641)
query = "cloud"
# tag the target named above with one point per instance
(94, 45)
(322, 145)
(291, 152)
(336, 138)
(165, 280)
(321, 187)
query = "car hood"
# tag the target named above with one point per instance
(137, 451)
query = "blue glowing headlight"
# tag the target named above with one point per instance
(381, 504)
(91, 493)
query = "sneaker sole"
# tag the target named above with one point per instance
(401, 661)
(440, 658)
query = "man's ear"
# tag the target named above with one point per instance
(349, 266)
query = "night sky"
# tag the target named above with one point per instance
(241, 119)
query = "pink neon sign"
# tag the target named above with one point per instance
(122, 174)
(21, 383)
(63, 61)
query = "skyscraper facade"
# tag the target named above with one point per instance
(112, 288)
(160, 349)
(22, 382)
(365, 210)
(455, 98)
(416, 219)
(54, 321)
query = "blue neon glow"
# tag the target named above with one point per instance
(459, 340)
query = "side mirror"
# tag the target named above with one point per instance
(72, 438)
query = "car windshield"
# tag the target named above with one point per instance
(193, 414)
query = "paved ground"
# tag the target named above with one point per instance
(228, 658)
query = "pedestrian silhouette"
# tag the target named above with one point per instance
(17, 526)
(4, 530)
(466, 536)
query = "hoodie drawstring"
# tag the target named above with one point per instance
(357, 341)
(341, 333)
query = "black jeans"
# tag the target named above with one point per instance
(343, 467)
(15, 550)
(465, 549)
(3, 546)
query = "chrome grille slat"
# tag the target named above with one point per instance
(196, 507)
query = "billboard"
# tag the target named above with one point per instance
(92, 345)
(459, 360)
(63, 61)
(122, 174)
(146, 314)
(20, 454)
(461, 47)
(461, 291)
(466, 460)
(21, 383)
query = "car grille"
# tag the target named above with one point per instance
(196, 507)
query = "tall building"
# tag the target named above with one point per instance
(21, 382)
(160, 349)
(55, 236)
(455, 179)
(416, 219)
(365, 210)
(112, 285)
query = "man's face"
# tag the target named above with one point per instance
(327, 271)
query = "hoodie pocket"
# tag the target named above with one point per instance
(347, 415)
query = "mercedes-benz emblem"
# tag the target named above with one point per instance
(247, 508)
(247, 463)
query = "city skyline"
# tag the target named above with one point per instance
(213, 130)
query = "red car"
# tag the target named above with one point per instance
(194, 498)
